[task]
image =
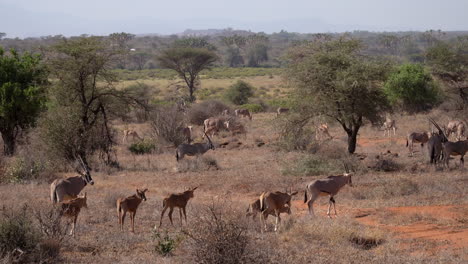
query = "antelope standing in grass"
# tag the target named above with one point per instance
(235, 128)
(193, 149)
(416, 137)
(212, 125)
(130, 204)
(254, 209)
(243, 113)
(281, 110)
(458, 148)
(388, 125)
(187, 132)
(457, 128)
(434, 147)
(179, 200)
(69, 188)
(72, 208)
(130, 133)
(274, 202)
(322, 131)
(329, 186)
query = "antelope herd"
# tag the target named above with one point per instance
(66, 191)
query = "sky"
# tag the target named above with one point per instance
(34, 18)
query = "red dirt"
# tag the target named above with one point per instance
(366, 142)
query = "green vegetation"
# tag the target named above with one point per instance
(239, 93)
(411, 88)
(142, 147)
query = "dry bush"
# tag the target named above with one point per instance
(384, 164)
(201, 163)
(199, 112)
(167, 123)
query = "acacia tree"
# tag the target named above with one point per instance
(332, 78)
(188, 61)
(22, 94)
(83, 99)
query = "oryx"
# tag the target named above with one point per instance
(458, 148)
(69, 188)
(388, 125)
(274, 202)
(417, 137)
(281, 110)
(456, 127)
(193, 149)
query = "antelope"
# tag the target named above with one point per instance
(193, 149)
(254, 209)
(274, 202)
(416, 137)
(388, 125)
(179, 200)
(243, 113)
(69, 188)
(458, 148)
(456, 127)
(212, 125)
(187, 132)
(235, 128)
(132, 133)
(225, 112)
(329, 186)
(281, 110)
(72, 208)
(322, 130)
(130, 204)
(434, 147)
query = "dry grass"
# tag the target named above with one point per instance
(242, 174)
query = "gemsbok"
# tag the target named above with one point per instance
(434, 148)
(388, 125)
(458, 148)
(130, 133)
(187, 133)
(212, 125)
(417, 137)
(329, 186)
(130, 204)
(274, 202)
(196, 149)
(281, 110)
(235, 128)
(178, 200)
(69, 188)
(71, 209)
(457, 128)
(322, 131)
(254, 209)
(243, 113)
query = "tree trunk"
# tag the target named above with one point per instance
(352, 140)
(191, 91)
(9, 142)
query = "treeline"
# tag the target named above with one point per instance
(238, 48)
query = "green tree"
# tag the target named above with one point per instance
(411, 88)
(239, 93)
(333, 78)
(22, 94)
(188, 62)
(449, 63)
(83, 100)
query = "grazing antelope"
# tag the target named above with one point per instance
(72, 208)
(130, 133)
(457, 128)
(458, 148)
(130, 204)
(321, 131)
(329, 186)
(416, 137)
(388, 125)
(69, 188)
(179, 200)
(193, 149)
(254, 209)
(274, 202)
(243, 113)
(235, 128)
(187, 132)
(281, 110)
(212, 125)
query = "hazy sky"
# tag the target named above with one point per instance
(24, 18)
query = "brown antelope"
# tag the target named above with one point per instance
(321, 131)
(130, 133)
(274, 202)
(388, 125)
(329, 186)
(235, 128)
(130, 204)
(254, 209)
(179, 200)
(69, 188)
(187, 132)
(243, 113)
(458, 148)
(416, 137)
(72, 208)
(212, 125)
(455, 127)
(281, 110)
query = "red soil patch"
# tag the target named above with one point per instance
(367, 142)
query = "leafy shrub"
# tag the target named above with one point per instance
(253, 108)
(20, 170)
(199, 112)
(142, 147)
(239, 93)
(164, 244)
(312, 165)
